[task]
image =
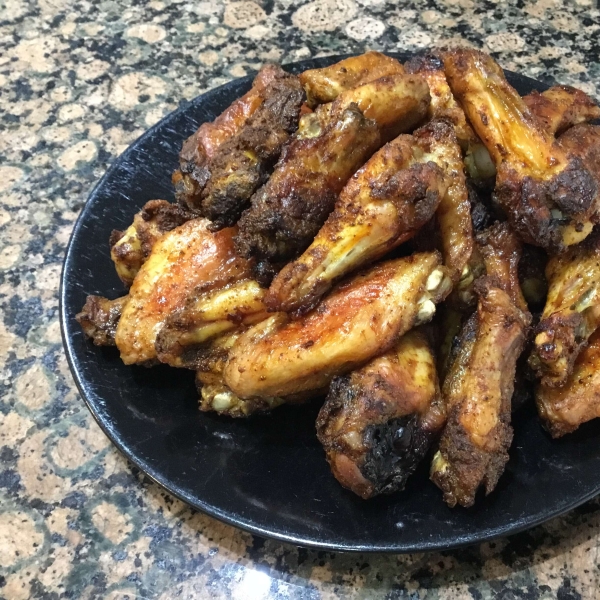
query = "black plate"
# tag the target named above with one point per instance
(268, 474)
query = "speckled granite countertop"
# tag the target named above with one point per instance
(79, 81)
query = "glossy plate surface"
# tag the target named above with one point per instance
(268, 474)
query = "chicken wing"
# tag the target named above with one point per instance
(325, 85)
(361, 318)
(561, 107)
(571, 313)
(188, 332)
(243, 162)
(201, 147)
(129, 249)
(378, 422)
(180, 261)
(548, 195)
(385, 203)
(99, 318)
(478, 388)
(564, 409)
(289, 210)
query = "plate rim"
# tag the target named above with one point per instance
(240, 522)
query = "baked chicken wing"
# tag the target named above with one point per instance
(180, 261)
(561, 107)
(384, 204)
(129, 249)
(243, 162)
(378, 422)
(361, 318)
(201, 148)
(326, 84)
(478, 388)
(564, 409)
(99, 318)
(547, 195)
(571, 313)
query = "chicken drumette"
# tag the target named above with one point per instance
(378, 422)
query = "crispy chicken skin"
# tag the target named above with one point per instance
(243, 162)
(201, 147)
(479, 385)
(99, 317)
(361, 318)
(325, 85)
(548, 195)
(180, 261)
(564, 409)
(561, 107)
(129, 249)
(378, 422)
(288, 211)
(188, 332)
(571, 313)
(384, 204)
(397, 103)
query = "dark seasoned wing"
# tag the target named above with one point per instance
(201, 147)
(564, 409)
(326, 84)
(180, 261)
(384, 204)
(130, 248)
(571, 313)
(361, 318)
(478, 388)
(561, 107)
(242, 163)
(378, 422)
(289, 210)
(99, 318)
(188, 332)
(548, 195)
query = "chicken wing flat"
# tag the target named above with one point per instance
(548, 195)
(288, 211)
(326, 84)
(129, 249)
(571, 313)
(564, 409)
(243, 162)
(378, 422)
(361, 318)
(99, 318)
(188, 333)
(180, 261)
(561, 107)
(384, 204)
(478, 388)
(201, 147)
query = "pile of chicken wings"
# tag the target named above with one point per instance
(417, 243)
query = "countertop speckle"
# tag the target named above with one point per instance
(79, 82)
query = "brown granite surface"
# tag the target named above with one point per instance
(79, 81)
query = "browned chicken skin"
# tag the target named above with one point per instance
(289, 210)
(548, 195)
(479, 385)
(99, 318)
(326, 84)
(359, 319)
(564, 409)
(561, 107)
(201, 147)
(129, 249)
(384, 204)
(378, 422)
(571, 313)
